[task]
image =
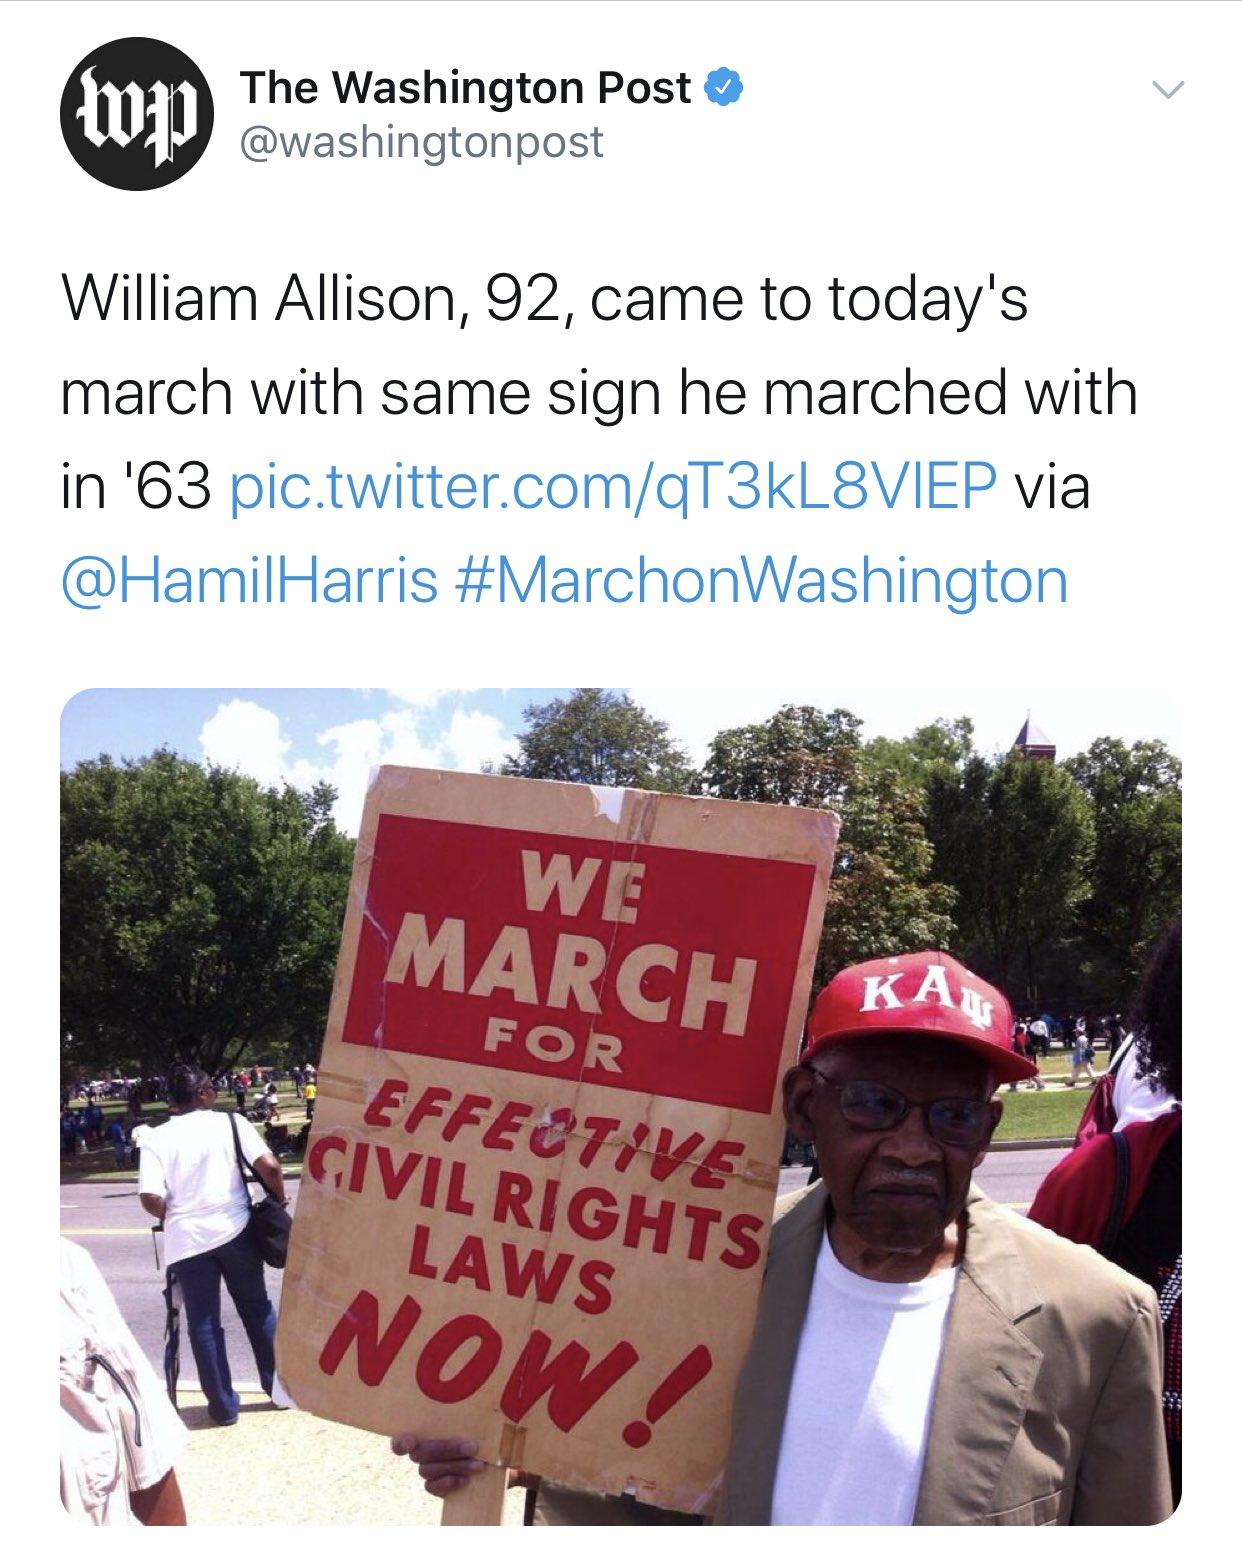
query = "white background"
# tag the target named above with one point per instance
(870, 141)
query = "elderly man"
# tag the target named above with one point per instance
(921, 1355)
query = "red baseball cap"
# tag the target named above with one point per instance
(919, 994)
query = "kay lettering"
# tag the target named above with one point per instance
(880, 994)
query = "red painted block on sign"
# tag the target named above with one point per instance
(648, 968)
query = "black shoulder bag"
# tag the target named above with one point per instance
(1121, 1189)
(269, 1220)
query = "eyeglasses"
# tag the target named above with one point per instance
(874, 1107)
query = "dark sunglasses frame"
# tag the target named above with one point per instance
(946, 1132)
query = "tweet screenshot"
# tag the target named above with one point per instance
(620, 593)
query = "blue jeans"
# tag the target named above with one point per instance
(240, 1266)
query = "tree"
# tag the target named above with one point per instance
(933, 750)
(601, 737)
(200, 913)
(1035, 836)
(1136, 872)
(880, 900)
(799, 755)
(1013, 841)
(940, 759)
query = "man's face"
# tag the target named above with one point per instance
(896, 1190)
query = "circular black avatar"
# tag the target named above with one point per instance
(136, 113)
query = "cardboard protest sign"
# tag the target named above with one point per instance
(538, 1187)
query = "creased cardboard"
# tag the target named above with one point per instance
(538, 1187)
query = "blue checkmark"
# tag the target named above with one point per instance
(723, 86)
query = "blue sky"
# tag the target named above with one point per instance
(339, 735)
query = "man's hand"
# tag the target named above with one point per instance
(444, 1464)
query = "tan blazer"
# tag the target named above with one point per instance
(1047, 1405)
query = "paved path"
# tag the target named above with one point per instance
(109, 1221)
(289, 1468)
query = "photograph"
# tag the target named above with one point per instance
(420, 1049)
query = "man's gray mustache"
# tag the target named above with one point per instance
(905, 1180)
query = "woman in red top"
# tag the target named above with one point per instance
(1122, 1190)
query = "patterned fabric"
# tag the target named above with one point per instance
(1169, 1297)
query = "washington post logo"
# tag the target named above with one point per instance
(136, 113)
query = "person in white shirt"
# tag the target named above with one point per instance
(1082, 1056)
(120, 1438)
(189, 1178)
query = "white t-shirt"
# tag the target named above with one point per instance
(1137, 1098)
(860, 1403)
(191, 1163)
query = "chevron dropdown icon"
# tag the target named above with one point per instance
(1172, 93)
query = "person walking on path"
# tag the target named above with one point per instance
(1021, 1045)
(1083, 1056)
(188, 1178)
(310, 1090)
(1034, 1045)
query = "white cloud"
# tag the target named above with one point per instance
(243, 735)
(475, 737)
(426, 698)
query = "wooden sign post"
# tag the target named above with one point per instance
(540, 1177)
(480, 1502)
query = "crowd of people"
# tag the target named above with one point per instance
(86, 1126)
(921, 1355)
(1033, 1036)
(253, 1087)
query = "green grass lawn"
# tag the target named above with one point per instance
(1030, 1114)
(1054, 1112)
